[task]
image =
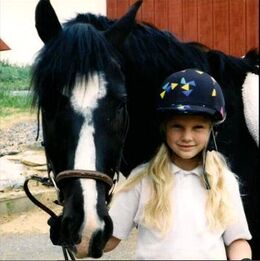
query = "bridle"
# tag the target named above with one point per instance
(68, 174)
(89, 174)
(53, 180)
(84, 174)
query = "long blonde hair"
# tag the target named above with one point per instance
(158, 211)
(218, 205)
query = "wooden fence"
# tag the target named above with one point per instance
(231, 26)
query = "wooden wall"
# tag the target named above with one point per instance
(231, 26)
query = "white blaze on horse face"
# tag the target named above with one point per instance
(85, 97)
(250, 94)
(84, 101)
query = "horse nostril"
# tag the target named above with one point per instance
(97, 244)
(100, 237)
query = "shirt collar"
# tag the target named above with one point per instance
(197, 171)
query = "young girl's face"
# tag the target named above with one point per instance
(187, 136)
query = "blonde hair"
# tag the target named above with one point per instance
(218, 204)
(158, 211)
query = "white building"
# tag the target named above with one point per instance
(17, 24)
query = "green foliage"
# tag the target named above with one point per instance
(14, 88)
(14, 77)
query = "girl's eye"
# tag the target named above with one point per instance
(175, 126)
(199, 127)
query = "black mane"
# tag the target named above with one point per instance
(149, 48)
(150, 51)
(78, 49)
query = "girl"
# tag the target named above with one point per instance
(185, 202)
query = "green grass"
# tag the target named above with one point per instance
(14, 78)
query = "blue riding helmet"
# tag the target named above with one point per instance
(192, 92)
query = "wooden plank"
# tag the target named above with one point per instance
(122, 7)
(190, 20)
(221, 25)
(175, 18)
(148, 11)
(252, 24)
(228, 25)
(161, 14)
(237, 24)
(205, 22)
(112, 9)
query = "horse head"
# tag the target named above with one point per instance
(79, 88)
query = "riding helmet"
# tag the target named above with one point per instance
(191, 91)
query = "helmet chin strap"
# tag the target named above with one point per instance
(204, 175)
(212, 132)
(204, 155)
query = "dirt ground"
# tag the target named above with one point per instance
(11, 120)
(34, 221)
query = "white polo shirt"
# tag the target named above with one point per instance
(189, 237)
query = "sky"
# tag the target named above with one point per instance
(17, 25)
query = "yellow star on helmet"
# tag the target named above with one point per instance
(214, 93)
(174, 85)
(186, 87)
(162, 94)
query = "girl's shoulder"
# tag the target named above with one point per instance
(138, 170)
(139, 176)
(231, 179)
(134, 181)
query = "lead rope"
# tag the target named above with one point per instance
(51, 182)
(46, 182)
(38, 124)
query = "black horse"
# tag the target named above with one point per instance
(93, 74)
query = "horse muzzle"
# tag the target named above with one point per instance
(96, 228)
(92, 245)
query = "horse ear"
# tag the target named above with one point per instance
(252, 56)
(122, 27)
(46, 21)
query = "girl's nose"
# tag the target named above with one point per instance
(187, 135)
